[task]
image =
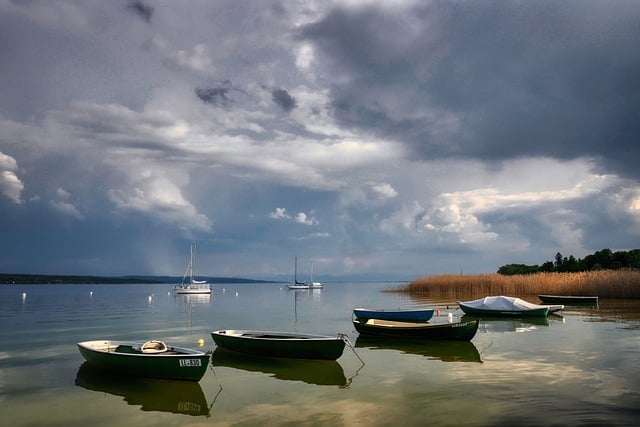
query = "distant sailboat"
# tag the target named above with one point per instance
(312, 284)
(296, 284)
(303, 285)
(192, 286)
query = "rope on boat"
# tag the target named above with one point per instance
(214, 374)
(347, 341)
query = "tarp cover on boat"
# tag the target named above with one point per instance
(502, 303)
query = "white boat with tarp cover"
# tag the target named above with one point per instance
(506, 306)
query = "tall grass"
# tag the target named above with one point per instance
(601, 283)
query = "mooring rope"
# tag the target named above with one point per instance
(347, 341)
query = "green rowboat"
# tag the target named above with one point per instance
(150, 359)
(280, 344)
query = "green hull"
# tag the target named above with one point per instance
(460, 331)
(122, 358)
(280, 344)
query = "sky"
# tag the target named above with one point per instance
(373, 140)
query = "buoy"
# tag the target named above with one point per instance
(200, 342)
(24, 296)
(450, 316)
(437, 312)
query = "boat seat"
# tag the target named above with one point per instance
(153, 347)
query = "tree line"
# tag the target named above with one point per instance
(604, 259)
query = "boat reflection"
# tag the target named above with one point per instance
(318, 372)
(446, 351)
(178, 397)
(512, 324)
(192, 298)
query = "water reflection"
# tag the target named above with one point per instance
(511, 324)
(318, 372)
(193, 298)
(446, 351)
(178, 397)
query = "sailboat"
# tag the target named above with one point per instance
(303, 285)
(192, 286)
(312, 284)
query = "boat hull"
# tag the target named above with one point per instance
(192, 289)
(120, 357)
(459, 331)
(568, 299)
(538, 312)
(280, 344)
(400, 315)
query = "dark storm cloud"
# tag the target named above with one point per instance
(218, 96)
(491, 80)
(282, 98)
(142, 10)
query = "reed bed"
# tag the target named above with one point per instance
(600, 283)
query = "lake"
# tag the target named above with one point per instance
(580, 368)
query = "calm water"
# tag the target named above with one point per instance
(579, 369)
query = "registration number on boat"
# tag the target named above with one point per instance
(187, 363)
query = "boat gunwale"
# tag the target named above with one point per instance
(400, 310)
(488, 311)
(111, 350)
(273, 336)
(414, 325)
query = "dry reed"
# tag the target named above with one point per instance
(601, 283)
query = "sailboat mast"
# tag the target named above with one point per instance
(191, 265)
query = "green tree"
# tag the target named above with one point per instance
(547, 267)
(558, 263)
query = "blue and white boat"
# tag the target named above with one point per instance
(416, 315)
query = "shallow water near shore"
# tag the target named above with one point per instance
(579, 368)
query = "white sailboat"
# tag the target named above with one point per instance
(296, 284)
(192, 286)
(303, 285)
(312, 284)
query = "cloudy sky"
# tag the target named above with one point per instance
(374, 139)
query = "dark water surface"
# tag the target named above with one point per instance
(581, 368)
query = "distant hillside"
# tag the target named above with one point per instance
(72, 279)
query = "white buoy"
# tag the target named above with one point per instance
(90, 293)
(450, 317)
(24, 296)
